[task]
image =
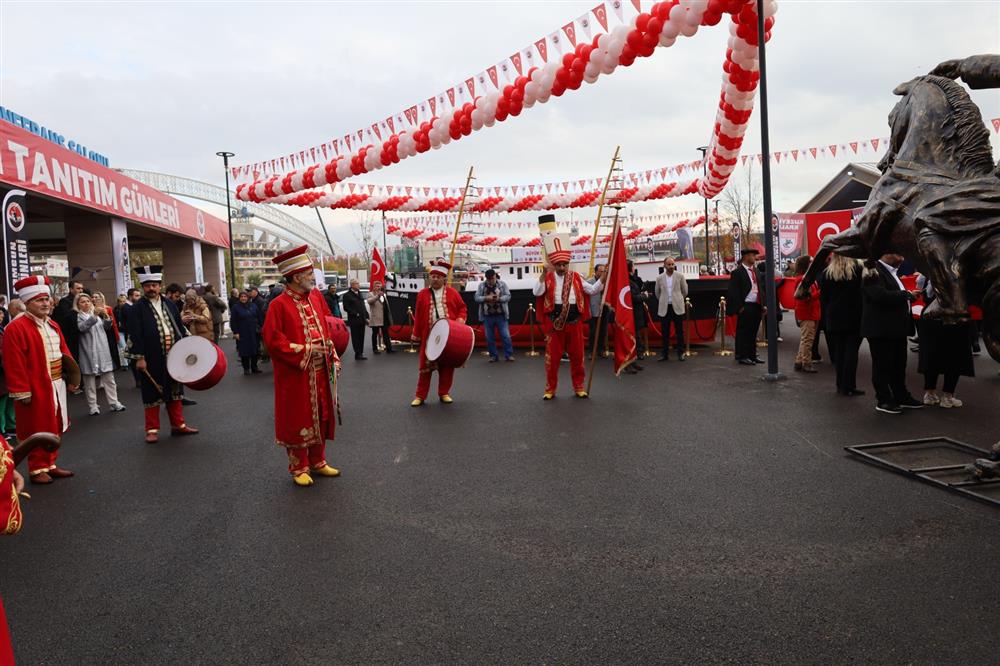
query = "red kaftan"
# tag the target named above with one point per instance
(422, 321)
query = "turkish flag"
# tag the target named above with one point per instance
(819, 225)
(377, 270)
(618, 295)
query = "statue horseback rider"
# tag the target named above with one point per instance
(938, 200)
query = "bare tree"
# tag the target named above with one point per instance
(364, 234)
(742, 202)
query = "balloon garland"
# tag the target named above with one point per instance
(532, 241)
(659, 27)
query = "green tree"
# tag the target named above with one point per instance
(255, 279)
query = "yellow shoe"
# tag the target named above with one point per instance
(581, 394)
(326, 470)
(416, 402)
(303, 479)
(548, 396)
(446, 399)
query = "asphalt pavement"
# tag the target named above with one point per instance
(690, 514)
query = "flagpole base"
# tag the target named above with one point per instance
(689, 354)
(761, 343)
(773, 377)
(723, 352)
(533, 353)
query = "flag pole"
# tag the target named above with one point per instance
(458, 225)
(600, 210)
(604, 296)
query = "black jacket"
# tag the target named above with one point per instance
(354, 306)
(739, 286)
(841, 303)
(885, 311)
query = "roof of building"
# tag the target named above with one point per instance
(848, 189)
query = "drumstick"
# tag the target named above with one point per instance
(159, 389)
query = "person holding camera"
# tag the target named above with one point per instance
(493, 295)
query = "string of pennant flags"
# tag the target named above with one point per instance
(446, 222)
(493, 78)
(453, 115)
(860, 147)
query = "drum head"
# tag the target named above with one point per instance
(191, 359)
(438, 339)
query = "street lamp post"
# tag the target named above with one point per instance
(704, 166)
(229, 215)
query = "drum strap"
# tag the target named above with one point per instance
(560, 321)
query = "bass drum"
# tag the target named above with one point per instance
(450, 343)
(197, 363)
(341, 334)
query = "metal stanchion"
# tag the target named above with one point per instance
(722, 351)
(412, 349)
(687, 329)
(531, 329)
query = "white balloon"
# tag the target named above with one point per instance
(615, 48)
(490, 121)
(481, 102)
(591, 71)
(609, 68)
(677, 14)
(770, 8)
(666, 40)
(590, 79)
(531, 91)
(689, 30)
(603, 40)
(536, 75)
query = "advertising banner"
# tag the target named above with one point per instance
(31, 163)
(17, 263)
(119, 245)
(199, 266)
(791, 239)
(533, 255)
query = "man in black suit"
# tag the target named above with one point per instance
(745, 299)
(357, 317)
(886, 322)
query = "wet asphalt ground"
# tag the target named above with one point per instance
(690, 514)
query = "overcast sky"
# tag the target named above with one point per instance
(164, 85)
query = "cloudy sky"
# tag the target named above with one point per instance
(164, 85)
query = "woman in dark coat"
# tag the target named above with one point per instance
(245, 324)
(840, 299)
(945, 349)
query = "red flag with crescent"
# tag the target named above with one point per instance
(377, 270)
(618, 295)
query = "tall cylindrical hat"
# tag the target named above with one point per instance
(555, 245)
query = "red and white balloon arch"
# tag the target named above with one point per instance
(661, 26)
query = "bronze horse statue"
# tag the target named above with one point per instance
(938, 200)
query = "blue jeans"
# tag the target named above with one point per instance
(500, 323)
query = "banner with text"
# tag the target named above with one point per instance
(17, 264)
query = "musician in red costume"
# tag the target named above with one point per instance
(35, 357)
(11, 485)
(565, 305)
(300, 341)
(435, 301)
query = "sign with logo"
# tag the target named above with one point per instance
(58, 268)
(119, 245)
(533, 255)
(17, 263)
(38, 166)
(791, 238)
(51, 135)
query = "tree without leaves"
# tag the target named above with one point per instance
(742, 202)
(364, 234)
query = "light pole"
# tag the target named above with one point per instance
(229, 215)
(718, 238)
(704, 170)
(769, 230)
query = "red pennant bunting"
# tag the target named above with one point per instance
(543, 49)
(635, 3)
(813, 151)
(451, 96)
(325, 155)
(470, 83)
(371, 188)
(744, 159)
(427, 191)
(833, 149)
(531, 189)
(854, 146)
(350, 186)
(570, 31)
(777, 157)
(377, 133)
(361, 136)
(874, 144)
(408, 190)
(601, 12)
(392, 128)
(548, 187)
(433, 102)
(492, 71)
(516, 59)
(795, 155)
(996, 124)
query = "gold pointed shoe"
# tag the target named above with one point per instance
(416, 402)
(446, 399)
(326, 470)
(302, 479)
(548, 396)
(582, 394)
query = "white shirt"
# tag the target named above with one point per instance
(752, 272)
(588, 288)
(53, 352)
(893, 270)
(670, 285)
(441, 308)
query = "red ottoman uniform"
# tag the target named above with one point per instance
(446, 303)
(561, 335)
(10, 523)
(304, 407)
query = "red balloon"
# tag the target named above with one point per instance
(663, 11)
(515, 108)
(655, 26)
(649, 41)
(634, 40)
(641, 21)
(567, 59)
(507, 90)
(517, 97)
(562, 77)
(647, 49)
(628, 53)
(578, 65)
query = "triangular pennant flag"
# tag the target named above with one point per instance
(548, 187)
(492, 71)
(777, 157)
(433, 104)
(427, 191)
(451, 96)
(601, 13)
(542, 49)
(570, 31)
(744, 159)
(617, 6)
(350, 186)
(833, 149)
(795, 155)
(371, 189)
(874, 144)
(516, 59)
(813, 151)
(505, 70)
(409, 189)
(635, 3)
(584, 22)
(556, 42)
(854, 146)
(996, 124)
(470, 83)
(392, 128)
(377, 133)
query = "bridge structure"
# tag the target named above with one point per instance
(265, 218)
